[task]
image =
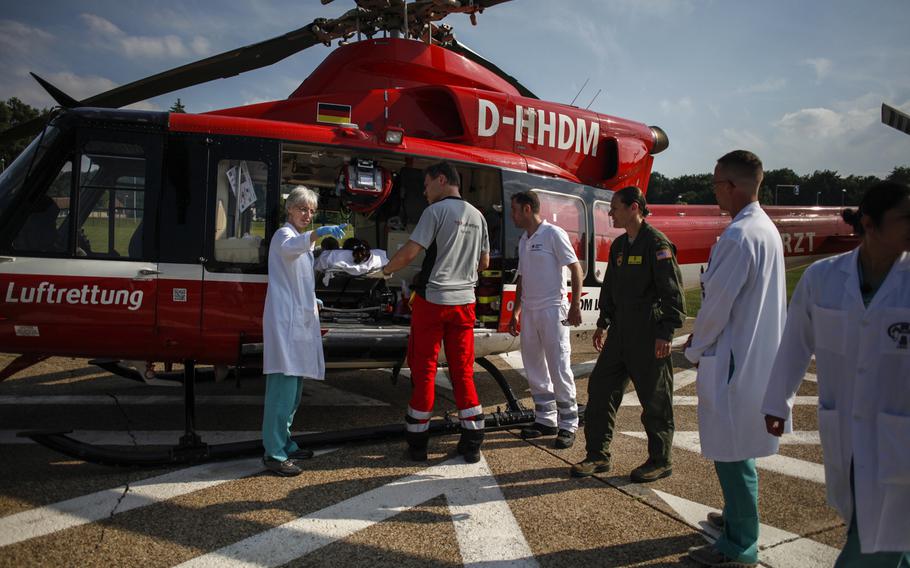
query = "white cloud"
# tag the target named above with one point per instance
(682, 107)
(821, 65)
(767, 86)
(143, 105)
(847, 137)
(744, 139)
(200, 46)
(17, 38)
(100, 25)
(80, 86)
(171, 46)
(827, 123)
(650, 8)
(811, 122)
(167, 46)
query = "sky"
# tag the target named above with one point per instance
(799, 82)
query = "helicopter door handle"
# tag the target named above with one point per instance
(148, 272)
(7, 259)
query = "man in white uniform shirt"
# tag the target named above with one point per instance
(541, 304)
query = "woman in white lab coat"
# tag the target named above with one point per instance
(292, 340)
(853, 312)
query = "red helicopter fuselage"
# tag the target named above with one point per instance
(147, 250)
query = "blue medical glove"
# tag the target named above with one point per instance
(319, 304)
(336, 231)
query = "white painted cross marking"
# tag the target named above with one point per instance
(96, 506)
(631, 399)
(485, 528)
(778, 548)
(785, 465)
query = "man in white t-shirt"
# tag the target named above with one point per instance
(541, 304)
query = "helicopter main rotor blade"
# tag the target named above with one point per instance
(468, 53)
(25, 129)
(226, 64)
(368, 17)
(219, 66)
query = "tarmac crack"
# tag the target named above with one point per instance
(126, 486)
(809, 534)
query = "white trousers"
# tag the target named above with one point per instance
(546, 351)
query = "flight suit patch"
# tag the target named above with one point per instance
(619, 260)
(636, 259)
(664, 254)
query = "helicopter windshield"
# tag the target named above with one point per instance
(12, 180)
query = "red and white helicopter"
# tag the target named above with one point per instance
(135, 235)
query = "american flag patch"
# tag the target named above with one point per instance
(664, 254)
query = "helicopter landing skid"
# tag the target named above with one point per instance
(191, 448)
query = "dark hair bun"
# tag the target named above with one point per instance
(852, 217)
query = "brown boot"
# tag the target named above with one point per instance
(589, 467)
(650, 471)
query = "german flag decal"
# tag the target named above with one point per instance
(332, 113)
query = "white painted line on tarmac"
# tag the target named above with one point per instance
(144, 437)
(314, 394)
(777, 548)
(683, 379)
(679, 341)
(784, 465)
(96, 506)
(631, 399)
(486, 531)
(513, 358)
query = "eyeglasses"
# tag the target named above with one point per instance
(303, 209)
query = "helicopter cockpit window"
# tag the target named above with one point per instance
(12, 179)
(240, 211)
(45, 229)
(111, 197)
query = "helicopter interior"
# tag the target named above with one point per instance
(381, 222)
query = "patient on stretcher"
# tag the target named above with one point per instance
(355, 261)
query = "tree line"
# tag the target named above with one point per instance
(782, 186)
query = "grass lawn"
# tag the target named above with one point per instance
(96, 230)
(693, 295)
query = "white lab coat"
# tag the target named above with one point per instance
(741, 318)
(292, 340)
(863, 366)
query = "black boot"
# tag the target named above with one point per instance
(417, 445)
(469, 445)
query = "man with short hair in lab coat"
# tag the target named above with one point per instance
(736, 335)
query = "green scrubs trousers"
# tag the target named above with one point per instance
(739, 482)
(282, 396)
(852, 557)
